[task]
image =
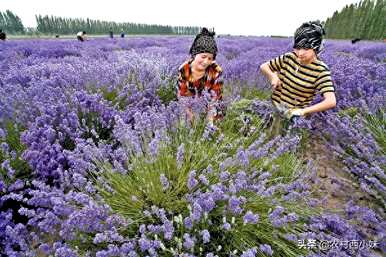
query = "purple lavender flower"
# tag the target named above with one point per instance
(234, 204)
(2, 133)
(192, 181)
(242, 157)
(180, 155)
(45, 248)
(168, 230)
(144, 244)
(65, 251)
(164, 182)
(276, 213)
(197, 211)
(203, 179)
(265, 248)
(188, 242)
(227, 226)
(249, 253)
(205, 236)
(188, 222)
(249, 217)
(224, 175)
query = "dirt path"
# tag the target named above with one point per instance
(333, 184)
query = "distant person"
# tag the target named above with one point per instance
(122, 34)
(3, 36)
(355, 40)
(111, 33)
(81, 36)
(297, 76)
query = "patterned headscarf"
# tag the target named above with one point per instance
(204, 43)
(309, 36)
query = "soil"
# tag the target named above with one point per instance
(333, 184)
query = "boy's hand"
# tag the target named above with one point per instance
(275, 81)
(295, 113)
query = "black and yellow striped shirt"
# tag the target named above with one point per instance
(300, 83)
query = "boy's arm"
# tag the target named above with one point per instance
(328, 102)
(271, 75)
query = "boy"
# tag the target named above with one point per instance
(200, 73)
(297, 76)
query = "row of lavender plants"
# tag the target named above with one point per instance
(97, 159)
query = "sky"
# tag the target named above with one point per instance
(237, 17)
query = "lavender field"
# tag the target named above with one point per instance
(98, 160)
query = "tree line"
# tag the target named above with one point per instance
(364, 20)
(60, 25)
(11, 23)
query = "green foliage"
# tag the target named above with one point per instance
(143, 182)
(120, 102)
(10, 22)
(62, 25)
(250, 92)
(15, 150)
(240, 119)
(350, 112)
(167, 92)
(254, 93)
(93, 127)
(376, 123)
(112, 95)
(365, 20)
(285, 168)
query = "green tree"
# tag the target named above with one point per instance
(11, 23)
(364, 20)
(51, 24)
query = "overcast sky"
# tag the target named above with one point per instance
(237, 17)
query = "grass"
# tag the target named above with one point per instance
(376, 123)
(12, 139)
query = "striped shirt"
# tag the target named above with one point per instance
(300, 83)
(211, 81)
